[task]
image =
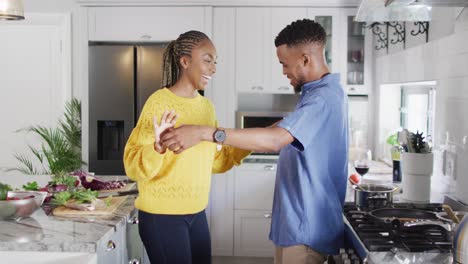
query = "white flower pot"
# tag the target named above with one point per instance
(417, 171)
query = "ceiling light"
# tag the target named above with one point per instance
(11, 10)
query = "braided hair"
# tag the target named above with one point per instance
(182, 46)
(301, 32)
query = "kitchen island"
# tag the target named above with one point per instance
(44, 238)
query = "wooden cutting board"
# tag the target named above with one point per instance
(68, 212)
(127, 187)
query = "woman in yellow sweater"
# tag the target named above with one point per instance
(174, 188)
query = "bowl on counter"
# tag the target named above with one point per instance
(21, 204)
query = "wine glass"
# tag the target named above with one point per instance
(362, 163)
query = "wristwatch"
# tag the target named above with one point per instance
(219, 135)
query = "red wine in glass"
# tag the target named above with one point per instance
(362, 169)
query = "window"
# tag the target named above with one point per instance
(404, 105)
(417, 108)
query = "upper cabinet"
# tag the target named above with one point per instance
(258, 69)
(153, 24)
(328, 18)
(253, 45)
(357, 45)
(280, 18)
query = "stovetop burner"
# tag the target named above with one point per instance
(377, 237)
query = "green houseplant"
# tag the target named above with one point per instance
(417, 166)
(60, 151)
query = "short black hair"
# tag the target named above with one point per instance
(301, 32)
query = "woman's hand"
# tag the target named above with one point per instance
(182, 138)
(168, 120)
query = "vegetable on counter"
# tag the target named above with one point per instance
(31, 186)
(83, 200)
(95, 184)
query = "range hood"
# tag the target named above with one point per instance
(401, 10)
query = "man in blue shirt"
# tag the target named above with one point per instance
(310, 186)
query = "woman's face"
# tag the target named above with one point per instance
(202, 65)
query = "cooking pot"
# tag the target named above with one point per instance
(460, 242)
(404, 219)
(373, 195)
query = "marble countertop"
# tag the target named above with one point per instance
(42, 232)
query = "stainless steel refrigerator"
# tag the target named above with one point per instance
(121, 78)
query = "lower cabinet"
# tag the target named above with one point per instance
(251, 230)
(253, 199)
(135, 250)
(112, 250)
(124, 246)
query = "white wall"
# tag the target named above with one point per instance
(64, 6)
(444, 60)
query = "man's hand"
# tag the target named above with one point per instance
(181, 138)
(168, 120)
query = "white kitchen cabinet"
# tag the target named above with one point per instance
(135, 251)
(142, 24)
(253, 45)
(112, 250)
(329, 19)
(356, 48)
(252, 228)
(280, 18)
(253, 199)
(224, 98)
(257, 67)
(254, 185)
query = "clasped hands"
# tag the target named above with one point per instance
(174, 139)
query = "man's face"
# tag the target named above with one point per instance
(292, 60)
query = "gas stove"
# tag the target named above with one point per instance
(377, 243)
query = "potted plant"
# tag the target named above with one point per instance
(417, 165)
(60, 151)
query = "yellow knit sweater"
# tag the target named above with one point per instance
(175, 183)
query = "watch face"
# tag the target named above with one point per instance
(220, 136)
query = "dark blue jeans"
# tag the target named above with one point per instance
(176, 239)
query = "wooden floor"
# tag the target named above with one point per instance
(241, 260)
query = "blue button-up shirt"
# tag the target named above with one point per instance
(312, 171)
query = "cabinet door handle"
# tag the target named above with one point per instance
(260, 88)
(253, 88)
(267, 215)
(146, 37)
(352, 89)
(134, 261)
(283, 88)
(133, 221)
(110, 245)
(269, 168)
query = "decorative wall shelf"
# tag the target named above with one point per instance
(381, 31)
